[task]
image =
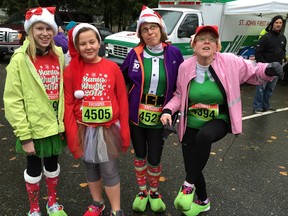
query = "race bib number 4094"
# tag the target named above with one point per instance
(205, 112)
(96, 111)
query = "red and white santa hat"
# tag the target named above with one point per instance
(41, 14)
(84, 25)
(150, 16)
(77, 64)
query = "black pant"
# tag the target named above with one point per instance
(285, 69)
(147, 140)
(34, 165)
(196, 147)
(285, 79)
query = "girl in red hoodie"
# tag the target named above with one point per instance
(96, 127)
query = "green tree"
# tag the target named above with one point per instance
(115, 12)
(13, 6)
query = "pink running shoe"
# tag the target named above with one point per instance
(95, 210)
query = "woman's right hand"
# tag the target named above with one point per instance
(29, 148)
(166, 117)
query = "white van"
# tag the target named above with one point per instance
(240, 23)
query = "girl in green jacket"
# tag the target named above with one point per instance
(34, 105)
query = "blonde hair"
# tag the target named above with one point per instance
(31, 50)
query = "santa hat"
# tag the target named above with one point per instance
(149, 16)
(41, 14)
(77, 64)
(84, 25)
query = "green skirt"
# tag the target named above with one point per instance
(46, 147)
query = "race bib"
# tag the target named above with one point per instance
(205, 112)
(96, 111)
(54, 104)
(149, 115)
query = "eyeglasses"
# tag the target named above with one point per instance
(204, 39)
(151, 27)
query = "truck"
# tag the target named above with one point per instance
(240, 23)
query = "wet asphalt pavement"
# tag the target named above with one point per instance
(251, 180)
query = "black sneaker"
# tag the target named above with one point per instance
(117, 213)
(270, 109)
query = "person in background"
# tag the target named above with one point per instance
(284, 82)
(271, 47)
(34, 106)
(96, 116)
(263, 32)
(151, 71)
(209, 99)
(61, 40)
(69, 26)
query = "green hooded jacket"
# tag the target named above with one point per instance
(27, 106)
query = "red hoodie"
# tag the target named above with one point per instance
(102, 81)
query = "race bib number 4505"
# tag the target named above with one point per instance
(96, 111)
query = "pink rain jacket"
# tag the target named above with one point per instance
(232, 71)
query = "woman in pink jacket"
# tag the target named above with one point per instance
(208, 98)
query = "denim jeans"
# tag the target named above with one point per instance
(263, 95)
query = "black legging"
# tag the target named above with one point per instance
(147, 139)
(196, 147)
(34, 165)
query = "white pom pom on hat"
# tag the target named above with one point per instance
(83, 25)
(41, 14)
(149, 16)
